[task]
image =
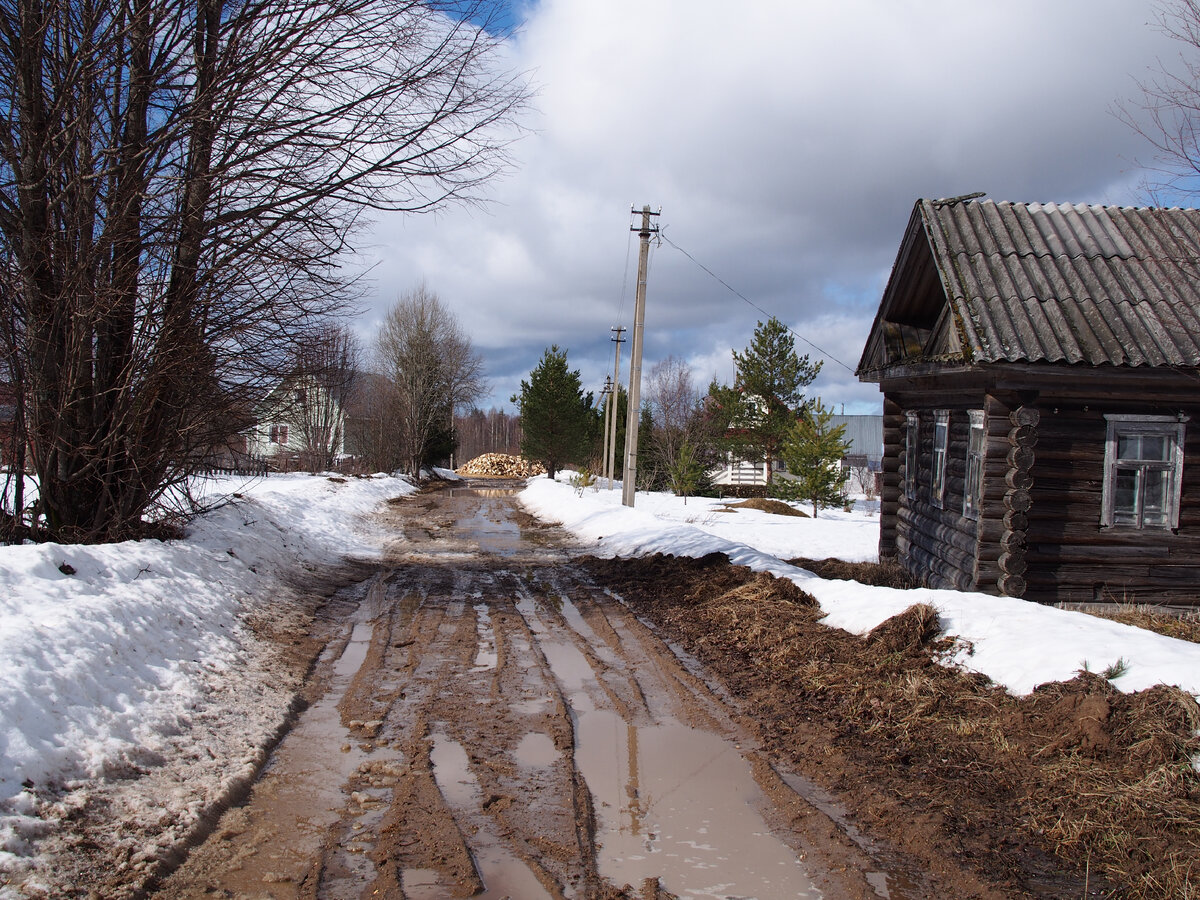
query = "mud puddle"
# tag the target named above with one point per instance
(681, 804)
(672, 801)
(502, 875)
(302, 789)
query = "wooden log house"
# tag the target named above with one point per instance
(1039, 367)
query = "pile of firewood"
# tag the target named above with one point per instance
(501, 465)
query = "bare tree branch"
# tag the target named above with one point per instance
(433, 370)
(179, 180)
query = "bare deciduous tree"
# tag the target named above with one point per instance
(178, 182)
(433, 369)
(325, 366)
(371, 423)
(1168, 115)
(673, 400)
(494, 431)
(685, 440)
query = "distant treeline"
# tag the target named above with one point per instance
(479, 432)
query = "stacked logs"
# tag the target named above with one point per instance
(501, 465)
(1022, 438)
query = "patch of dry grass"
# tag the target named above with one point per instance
(1185, 626)
(879, 574)
(775, 507)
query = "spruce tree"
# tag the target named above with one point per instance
(770, 384)
(555, 416)
(813, 452)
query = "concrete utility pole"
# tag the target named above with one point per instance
(605, 394)
(610, 415)
(635, 362)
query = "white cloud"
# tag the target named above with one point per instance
(786, 143)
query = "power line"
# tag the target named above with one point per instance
(625, 277)
(737, 293)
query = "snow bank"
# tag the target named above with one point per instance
(109, 651)
(1015, 643)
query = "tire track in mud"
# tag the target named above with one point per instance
(497, 725)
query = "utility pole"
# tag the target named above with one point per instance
(610, 416)
(629, 486)
(606, 393)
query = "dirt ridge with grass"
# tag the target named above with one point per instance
(1075, 790)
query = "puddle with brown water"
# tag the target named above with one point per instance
(503, 875)
(301, 791)
(672, 801)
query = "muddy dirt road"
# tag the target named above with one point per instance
(487, 721)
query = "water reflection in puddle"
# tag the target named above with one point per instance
(302, 788)
(494, 533)
(536, 749)
(681, 804)
(355, 651)
(673, 802)
(502, 873)
(486, 657)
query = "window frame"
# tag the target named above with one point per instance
(976, 452)
(1170, 427)
(912, 448)
(278, 434)
(941, 450)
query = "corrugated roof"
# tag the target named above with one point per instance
(1080, 284)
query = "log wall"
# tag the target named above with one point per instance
(893, 476)
(1071, 558)
(1038, 535)
(937, 544)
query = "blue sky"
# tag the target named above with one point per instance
(785, 142)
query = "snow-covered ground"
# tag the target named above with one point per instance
(111, 655)
(1017, 644)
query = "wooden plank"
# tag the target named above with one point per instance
(1074, 553)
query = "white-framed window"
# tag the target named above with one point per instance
(973, 488)
(278, 434)
(1143, 471)
(941, 444)
(912, 439)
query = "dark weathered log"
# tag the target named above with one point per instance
(1014, 542)
(1020, 479)
(1012, 585)
(1025, 415)
(1020, 458)
(1015, 520)
(930, 534)
(1012, 563)
(934, 571)
(1023, 436)
(947, 544)
(990, 532)
(1089, 573)
(1105, 552)
(1017, 500)
(995, 465)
